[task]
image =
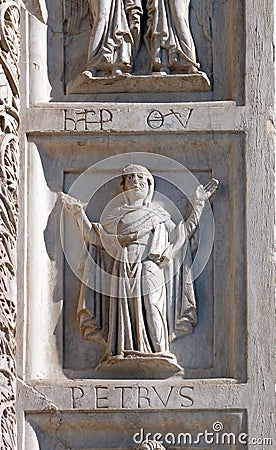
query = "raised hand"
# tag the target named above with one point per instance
(71, 204)
(204, 193)
(211, 187)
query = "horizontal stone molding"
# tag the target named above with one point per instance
(125, 118)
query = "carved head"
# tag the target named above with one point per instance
(151, 445)
(135, 177)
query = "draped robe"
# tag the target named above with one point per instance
(111, 41)
(168, 36)
(149, 299)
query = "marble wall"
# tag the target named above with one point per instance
(77, 134)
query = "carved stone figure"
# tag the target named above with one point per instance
(151, 445)
(149, 259)
(116, 35)
(169, 38)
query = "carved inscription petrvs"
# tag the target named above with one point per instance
(131, 397)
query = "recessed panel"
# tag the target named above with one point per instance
(210, 351)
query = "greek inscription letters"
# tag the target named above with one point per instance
(86, 119)
(156, 119)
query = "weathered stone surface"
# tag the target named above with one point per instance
(119, 30)
(9, 178)
(37, 8)
(125, 118)
(219, 50)
(54, 171)
(227, 132)
(198, 82)
(175, 429)
(150, 445)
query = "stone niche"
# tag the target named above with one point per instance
(55, 348)
(123, 430)
(218, 32)
(64, 401)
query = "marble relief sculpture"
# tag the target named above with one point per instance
(9, 182)
(149, 258)
(151, 445)
(116, 34)
(169, 38)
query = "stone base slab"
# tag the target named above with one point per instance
(196, 82)
(140, 366)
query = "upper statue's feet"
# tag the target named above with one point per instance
(160, 70)
(90, 72)
(117, 71)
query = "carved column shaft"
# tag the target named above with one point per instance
(9, 156)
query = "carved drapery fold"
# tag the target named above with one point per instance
(9, 155)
